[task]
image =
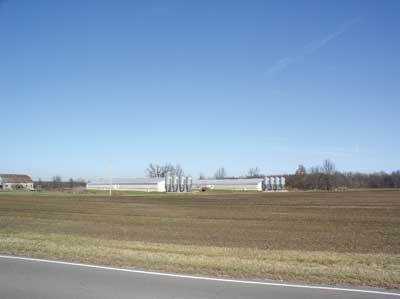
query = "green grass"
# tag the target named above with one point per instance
(339, 238)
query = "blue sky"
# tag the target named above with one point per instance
(89, 84)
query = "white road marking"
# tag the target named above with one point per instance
(275, 284)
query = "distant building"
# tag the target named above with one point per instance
(230, 184)
(168, 184)
(140, 184)
(185, 184)
(15, 181)
(269, 183)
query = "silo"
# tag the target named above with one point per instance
(188, 184)
(266, 183)
(283, 183)
(273, 183)
(168, 182)
(269, 184)
(278, 183)
(182, 184)
(175, 183)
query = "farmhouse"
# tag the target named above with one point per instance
(15, 181)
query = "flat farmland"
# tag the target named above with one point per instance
(322, 237)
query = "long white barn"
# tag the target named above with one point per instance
(230, 184)
(269, 183)
(185, 184)
(138, 184)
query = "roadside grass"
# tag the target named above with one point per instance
(317, 267)
(334, 238)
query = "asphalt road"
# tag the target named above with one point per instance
(25, 278)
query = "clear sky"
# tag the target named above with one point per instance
(89, 84)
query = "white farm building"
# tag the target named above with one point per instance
(270, 183)
(15, 181)
(230, 184)
(185, 184)
(138, 184)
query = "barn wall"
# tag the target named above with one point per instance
(255, 187)
(127, 187)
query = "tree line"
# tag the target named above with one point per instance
(323, 177)
(155, 170)
(57, 183)
(326, 177)
(159, 171)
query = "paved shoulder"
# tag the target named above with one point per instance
(31, 278)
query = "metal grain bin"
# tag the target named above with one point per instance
(168, 183)
(182, 184)
(175, 183)
(283, 183)
(189, 183)
(278, 183)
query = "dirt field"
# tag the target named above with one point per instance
(340, 238)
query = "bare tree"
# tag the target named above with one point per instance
(314, 178)
(168, 168)
(154, 171)
(396, 179)
(57, 181)
(179, 171)
(220, 173)
(253, 172)
(158, 171)
(328, 167)
(328, 170)
(39, 184)
(314, 170)
(301, 170)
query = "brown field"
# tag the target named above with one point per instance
(336, 238)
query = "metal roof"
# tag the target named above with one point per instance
(122, 181)
(15, 178)
(228, 181)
